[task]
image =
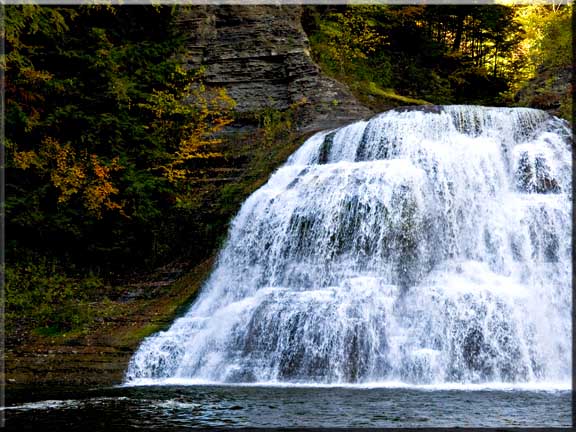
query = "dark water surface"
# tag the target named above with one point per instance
(180, 407)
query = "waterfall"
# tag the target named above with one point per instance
(423, 246)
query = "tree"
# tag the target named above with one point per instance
(103, 129)
(348, 36)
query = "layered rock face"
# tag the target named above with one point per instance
(551, 90)
(260, 54)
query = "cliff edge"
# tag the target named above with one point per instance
(260, 55)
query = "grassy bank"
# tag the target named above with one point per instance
(98, 352)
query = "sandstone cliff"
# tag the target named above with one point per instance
(260, 54)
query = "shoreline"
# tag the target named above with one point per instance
(100, 354)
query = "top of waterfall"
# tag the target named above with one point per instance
(393, 132)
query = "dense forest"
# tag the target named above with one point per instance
(107, 134)
(104, 132)
(441, 54)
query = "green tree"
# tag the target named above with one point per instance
(441, 53)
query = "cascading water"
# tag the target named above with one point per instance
(425, 247)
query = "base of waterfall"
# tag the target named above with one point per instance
(428, 247)
(499, 386)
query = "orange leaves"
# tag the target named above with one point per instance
(74, 174)
(200, 113)
(99, 190)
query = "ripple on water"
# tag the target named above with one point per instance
(151, 408)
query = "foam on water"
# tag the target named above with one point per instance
(487, 386)
(61, 404)
(423, 249)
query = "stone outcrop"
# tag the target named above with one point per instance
(550, 90)
(260, 54)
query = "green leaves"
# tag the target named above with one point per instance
(440, 53)
(47, 297)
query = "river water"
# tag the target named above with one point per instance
(197, 406)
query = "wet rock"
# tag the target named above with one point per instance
(534, 175)
(434, 109)
(291, 364)
(476, 352)
(325, 148)
(241, 376)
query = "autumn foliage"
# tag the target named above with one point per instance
(104, 130)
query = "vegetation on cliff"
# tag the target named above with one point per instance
(116, 158)
(471, 54)
(105, 133)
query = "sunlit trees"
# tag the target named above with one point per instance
(544, 80)
(347, 37)
(446, 53)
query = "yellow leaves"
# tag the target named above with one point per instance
(547, 37)
(73, 174)
(26, 159)
(37, 76)
(173, 174)
(192, 147)
(201, 113)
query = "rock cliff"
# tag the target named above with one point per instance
(550, 90)
(260, 54)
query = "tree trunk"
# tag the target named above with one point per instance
(459, 30)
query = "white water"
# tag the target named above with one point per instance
(428, 249)
(540, 386)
